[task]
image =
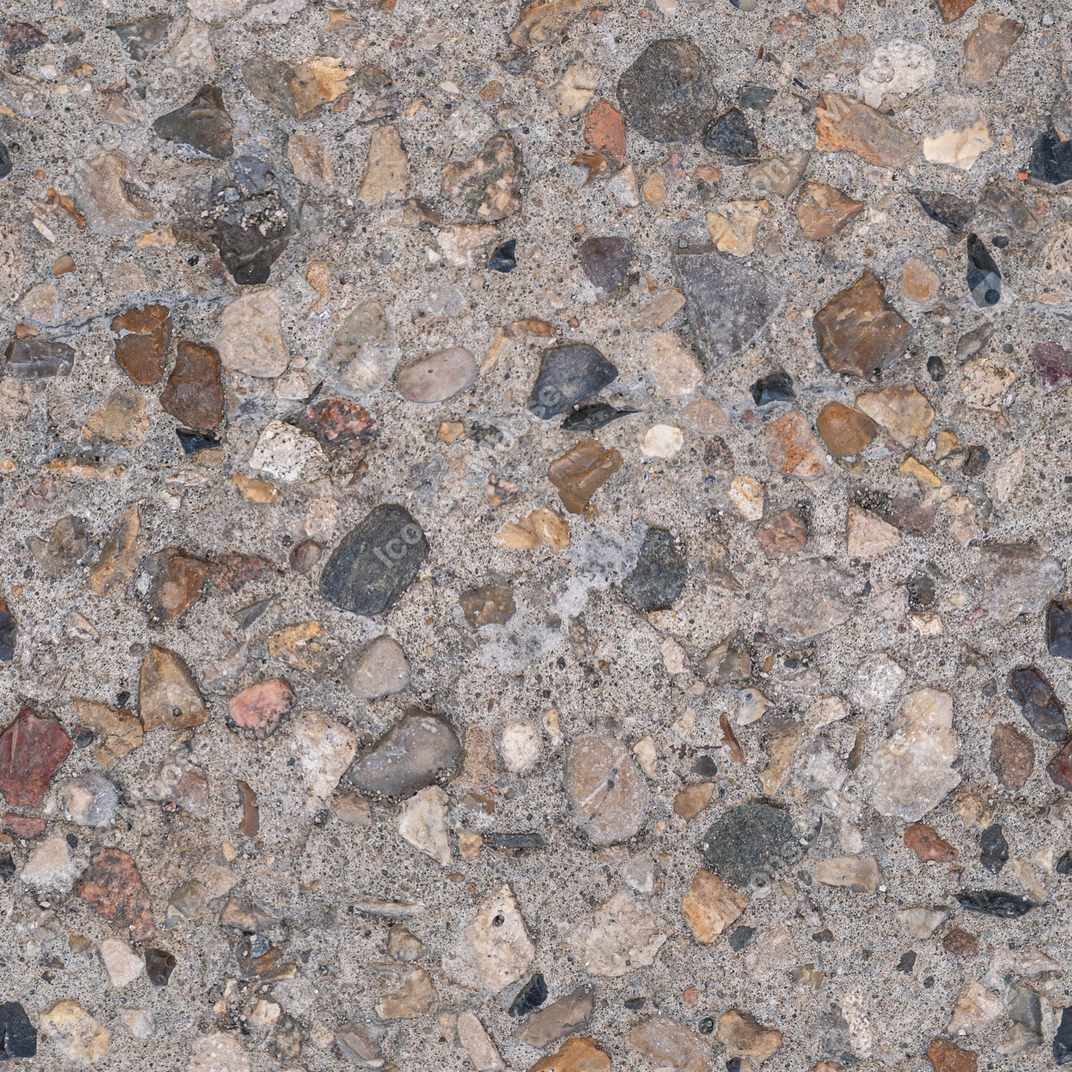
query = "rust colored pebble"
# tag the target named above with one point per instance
(261, 707)
(142, 341)
(924, 841)
(23, 826)
(783, 534)
(305, 556)
(31, 751)
(604, 130)
(947, 1057)
(194, 392)
(961, 943)
(1060, 768)
(112, 887)
(1012, 756)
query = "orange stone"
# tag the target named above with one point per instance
(142, 341)
(919, 281)
(844, 430)
(604, 130)
(32, 749)
(261, 707)
(575, 1055)
(822, 211)
(581, 472)
(924, 841)
(846, 125)
(946, 1057)
(793, 448)
(112, 887)
(951, 10)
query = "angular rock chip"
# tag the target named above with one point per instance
(668, 1042)
(417, 751)
(845, 431)
(581, 472)
(1053, 365)
(385, 167)
(262, 707)
(120, 554)
(167, 695)
(660, 572)
(494, 949)
(1060, 768)
(112, 887)
(32, 748)
(744, 1036)
(807, 600)
(18, 1037)
(1059, 629)
(928, 846)
(1062, 1040)
(9, 632)
(38, 358)
(568, 375)
(793, 449)
(959, 148)
(251, 336)
(1012, 756)
(575, 1055)
(846, 125)
(194, 392)
(490, 604)
(823, 211)
(1017, 579)
(482, 1051)
(995, 903)
(376, 563)
(902, 411)
(115, 200)
(604, 131)
(423, 823)
(750, 843)
(1051, 158)
(251, 222)
(76, 1034)
(993, 848)
(776, 386)
(560, 1018)
(988, 46)
(858, 331)
(174, 582)
(120, 731)
(606, 261)
(338, 425)
(439, 376)
(731, 136)
(618, 937)
(946, 1056)
(606, 790)
(142, 37)
(947, 209)
(857, 873)
(530, 997)
(204, 124)
(1038, 703)
(951, 10)
(710, 906)
(668, 93)
(896, 70)
(296, 88)
(489, 185)
(984, 276)
(728, 303)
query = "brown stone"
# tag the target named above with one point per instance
(693, 799)
(951, 10)
(961, 943)
(119, 419)
(845, 431)
(919, 281)
(710, 906)
(112, 887)
(176, 582)
(903, 411)
(858, 332)
(489, 185)
(232, 571)
(669, 1043)
(167, 695)
(783, 534)
(67, 544)
(120, 554)
(23, 826)
(1060, 767)
(924, 841)
(1012, 756)
(142, 341)
(581, 472)
(793, 449)
(608, 794)
(32, 749)
(490, 604)
(604, 130)
(261, 707)
(194, 392)
(575, 1055)
(743, 1036)
(120, 731)
(823, 211)
(943, 1054)
(988, 46)
(844, 125)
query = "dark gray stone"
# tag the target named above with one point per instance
(984, 276)
(1062, 1041)
(750, 844)
(756, 98)
(141, 37)
(251, 221)
(1059, 629)
(776, 386)
(606, 261)
(947, 209)
(18, 1037)
(1038, 703)
(39, 358)
(668, 93)
(731, 136)
(660, 572)
(593, 417)
(568, 375)
(1051, 159)
(376, 563)
(995, 903)
(204, 124)
(728, 303)
(417, 751)
(993, 848)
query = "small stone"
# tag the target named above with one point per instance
(668, 92)
(204, 124)
(776, 386)
(606, 261)
(364, 347)
(710, 906)
(91, 800)
(251, 222)
(857, 873)
(844, 125)
(1053, 365)
(262, 707)
(946, 1056)
(902, 411)
(783, 534)
(731, 136)
(607, 792)
(419, 750)
(921, 922)
(119, 419)
(995, 903)
(660, 310)
(121, 963)
(984, 277)
(581, 472)
(194, 392)
(490, 604)
(32, 748)
(385, 167)
(793, 449)
(142, 37)
(807, 600)
(913, 767)
(183, 786)
(159, 964)
(744, 1036)
(466, 245)
(993, 849)
(733, 226)
(654, 189)
(660, 572)
(1012, 756)
(542, 526)
(1051, 158)
(378, 668)
(167, 695)
(575, 1055)
(1062, 1040)
(868, 535)
(661, 441)
(561, 1017)
(38, 358)
(115, 195)
(668, 1042)
(823, 212)
(673, 365)
(693, 799)
(1017, 579)
(218, 1051)
(779, 175)
(750, 843)
(616, 938)
(950, 211)
(74, 1032)
(568, 375)
(423, 823)
(119, 730)
(173, 583)
(951, 10)
(478, 1044)
(67, 545)
(959, 148)
(961, 943)
(49, 866)
(18, 1037)
(142, 341)
(622, 185)
(520, 747)
(439, 376)
(895, 71)
(1060, 768)
(112, 887)
(919, 281)
(858, 332)
(604, 131)
(376, 563)
(120, 554)
(494, 948)
(988, 46)
(251, 336)
(489, 185)
(1038, 703)
(845, 431)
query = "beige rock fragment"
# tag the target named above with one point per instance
(660, 310)
(896, 70)
(903, 411)
(120, 554)
(986, 384)
(482, 1051)
(746, 493)
(251, 335)
(121, 963)
(744, 1036)
(542, 526)
(620, 936)
(710, 906)
(733, 226)
(675, 368)
(959, 148)
(74, 1032)
(416, 998)
(423, 823)
(779, 175)
(466, 245)
(577, 87)
(868, 535)
(494, 949)
(975, 1010)
(857, 873)
(385, 167)
(669, 1043)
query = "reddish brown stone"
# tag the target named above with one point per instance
(167, 695)
(783, 534)
(23, 826)
(194, 392)
(793, 448)
(951, 10)
(845, 125)
(924, 841)
(233, 571)
(305, 556)
(845, 431)
(1060, 767)
(858, 332)
(581, 471)
(961, 943)
(32, 749)
(490, 604)
(946, 1057)
(142, 341)
(176, 581)
(1012, 756)
(261, 707)
(822, 211)
(338, 425)
(112, 887)
(604, 130)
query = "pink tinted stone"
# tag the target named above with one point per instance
(261, 707)
(31, 751)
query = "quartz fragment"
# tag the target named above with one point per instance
(959, 148)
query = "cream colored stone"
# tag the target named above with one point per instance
(423, 823)
(746, 494)
(578, 84)
(710, 906)
(661, 441)
(675, 368)
(868, 535)
(494, 948)
(959, 148)
(733, 226)
(857, 873)
(251, 336)
(74, 1032)
(385, 167)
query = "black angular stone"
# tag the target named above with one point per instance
(159, 964)
(606, 261)
(740, 937)
(7, 868)
(756, 98)
(659, 574)
(750, 844)
(191, 441)
(976, 459)
(1062, 1040)
(1051, 159)
(947, 209)
(532, 995)
(375, 564)
(1059, 629)
(593, 417)
(907, 962)
(995, 903)
(984, 276)
(776, 386)
(1064, 865)
(5, 161)
(568, 374)
(1038, 703)
(8, 634)
(143, 36)
(252, 222)
(936, 368)
(503, 260)
(668, 92)
(204, 124)
(18, 1037)
(730, 135)
(993, 848)
(39, 358)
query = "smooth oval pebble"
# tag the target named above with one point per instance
(439, 376)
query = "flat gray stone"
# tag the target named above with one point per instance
(417, 751)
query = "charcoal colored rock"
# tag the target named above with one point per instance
(606, 261)
(1059, 629)
(750, 844)
(18, 1037)
(416, 752)
(530, 997)
(947, 209)
(1051, 159)
(1038, 703)
(503, 258)
(251, 222)
(731, 136)
(993, 848)
(995, 903)
(1062, 1040)
(984, 276)
(660, 573)
(568, 374)
(776, 386)
(38, 358)
(202, 124)
(141, 37)
(592, 417)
